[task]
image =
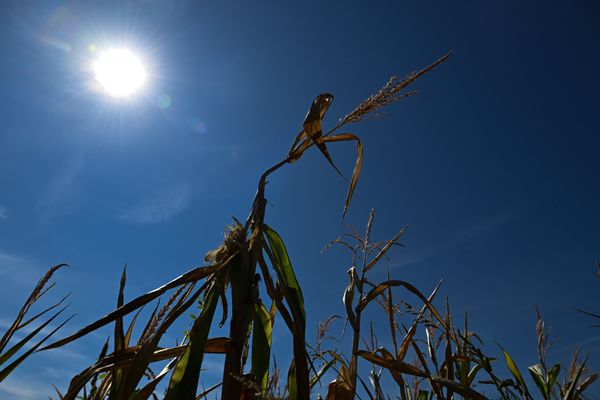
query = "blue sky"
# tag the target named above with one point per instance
(494, 166)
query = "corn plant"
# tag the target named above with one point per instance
(443, 379)
(252, 252)
(577, 379)
(8, 355)
(447, 360)
(250, 278)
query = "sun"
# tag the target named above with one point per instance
(119, 72)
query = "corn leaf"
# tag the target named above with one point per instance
(385, 249)
(11, 367)
(552, 377)
(586, 383)
(406, 342)
(313, 125)
(119, 337)
(293, 295)
(35, 295)
(343, 137)
(348, 299)
(292, 383)
(261, 344)
(318, 375)
(514, 370)
(391, 364)
(384, 285)
(571, 393)
(538, 378)
(191, 276)
(339, 390)
(142, 358)
(395, 374)
(422, 395)
(464, 391)
(149, 388)
(14, 349)
(285, 272)
(473, 373)
(184, 380)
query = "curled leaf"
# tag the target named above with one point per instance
(344, 137)
(348, 299)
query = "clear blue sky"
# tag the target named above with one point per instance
(494, 166)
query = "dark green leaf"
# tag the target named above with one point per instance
(261, 344)
(184, 380)
(538, 378)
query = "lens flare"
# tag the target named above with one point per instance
(119, 72)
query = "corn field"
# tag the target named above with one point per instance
(249, 279)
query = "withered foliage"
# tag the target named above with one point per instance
(250, 277)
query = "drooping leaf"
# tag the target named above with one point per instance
(348, 300)
(343, 137)
(313, 125)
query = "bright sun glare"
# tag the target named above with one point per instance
(119, 72)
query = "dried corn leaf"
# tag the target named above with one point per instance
(344, 137)
(391, 364)
(384, 285)
(190, 276)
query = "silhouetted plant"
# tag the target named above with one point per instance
(253, 260)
